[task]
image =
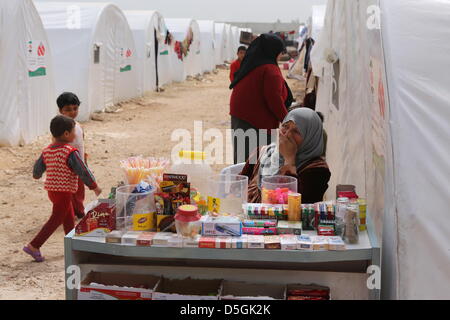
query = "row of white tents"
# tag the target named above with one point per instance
(101, 53)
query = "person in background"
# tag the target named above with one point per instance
(64, 166)
(260, 96)
(69, 105)
(298, 154)
(236, 65)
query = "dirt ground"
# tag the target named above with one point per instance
(141, 127)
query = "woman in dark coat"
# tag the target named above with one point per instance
(260, 96)
(299, 154)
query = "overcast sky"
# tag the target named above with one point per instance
(224, 10)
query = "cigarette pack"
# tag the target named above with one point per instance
(114, 237)
(260, 223)
(161, 239)
(305, 243)
(259, 231)
(221, 226)
(130, 238)
(223, 243)
(289, 227)
(145, 239)
(289, 242)
(272, 242)
(207, 242)
(191, 242)
(320, 243)
(255, 242)
(239, 242)
(336, 244)
(326, 230)
(175, 241)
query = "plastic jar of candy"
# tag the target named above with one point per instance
(187, 221)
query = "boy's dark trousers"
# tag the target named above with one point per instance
(78, 200)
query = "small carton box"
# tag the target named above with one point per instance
(257, 231)
(260, 223)
(161, 239)
(320, 243)
(289, 242)
(117, 286)
(223, 243)
(191, 242)
(272, 243)
(114, 237)
(130, 238)
(221, 226)
(255, 242)
(307, 292)
(336, 244)
(232, 290)
(175, 241)
(187, 289)
(240, 242)
(145, 239)
(207, 243)
(289, 227)
(305, 243)
(99, 221)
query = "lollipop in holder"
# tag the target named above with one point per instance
(138, 169)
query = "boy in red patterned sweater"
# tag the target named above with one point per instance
(64, 165)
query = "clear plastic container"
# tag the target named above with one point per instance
(195, 165)
(275, 189)
(135, 211)
(351, 224)
(187, 221)
(228, 192)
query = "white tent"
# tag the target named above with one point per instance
(208, 49)
(27, 88)
(150, 32)
(386, 106)
(316, 21)
(187, 33)
(229, 52)
(93, 53)
(236, 37)
(220, 43)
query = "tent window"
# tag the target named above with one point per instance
(96, 54)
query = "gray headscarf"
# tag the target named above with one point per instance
(310, 126)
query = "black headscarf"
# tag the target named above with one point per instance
(263, 50)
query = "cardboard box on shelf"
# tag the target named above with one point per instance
(240, 242)
(260, 223)
(223, 243)
(305, 243)
(307, 292)
(255, 242)
(336, 244)
(258, 231)
(175, 241)
(130, 238)
(289, 227)
(320, 243)
(289, 242)
(161, 239)
(145, 239)
(221, 226)
(99, 221)
(232, 290)
(272, 242)
(191, 242)
(114, 237)
(117, 286)
(207, 243)
(188, 289)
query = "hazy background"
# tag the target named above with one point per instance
(223, 10)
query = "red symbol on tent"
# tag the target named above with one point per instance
(41, 50)
(129, 53)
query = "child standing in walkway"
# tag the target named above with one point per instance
(69, 104)
(64, 166)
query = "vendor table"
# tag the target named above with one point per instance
(343, 271)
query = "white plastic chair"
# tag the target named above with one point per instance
(234, 169)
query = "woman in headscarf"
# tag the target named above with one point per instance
(298, 154)
(260, 97)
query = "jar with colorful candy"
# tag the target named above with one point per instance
(276, 189)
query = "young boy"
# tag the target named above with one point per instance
(64, 165)
(69, 104)
(236, 65)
